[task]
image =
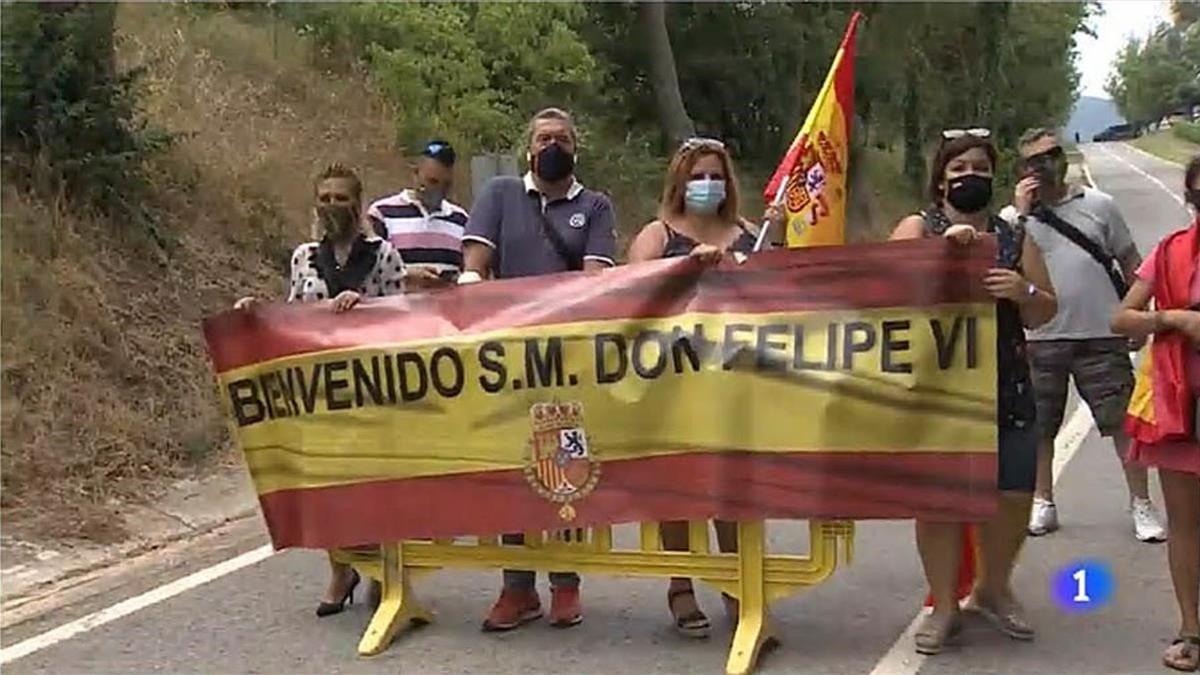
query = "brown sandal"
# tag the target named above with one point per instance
(1183, 654)
(694, 624)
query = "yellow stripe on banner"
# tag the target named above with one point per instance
(887, 380)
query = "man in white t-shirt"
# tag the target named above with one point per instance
(422, 224)
(1089, 253)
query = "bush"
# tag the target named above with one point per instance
(68, 118)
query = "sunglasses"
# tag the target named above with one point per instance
(1051, 154)
(435, 148)
(697, 143)
(977, 132)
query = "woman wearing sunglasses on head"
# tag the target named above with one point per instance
(698, 217)
(1172, 441)
(960, 189)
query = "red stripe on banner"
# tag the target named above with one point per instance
(864, 276)
(729, 485)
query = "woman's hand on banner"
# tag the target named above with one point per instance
(961, 234)
(707, 254)
(345, 300)
(245, 303)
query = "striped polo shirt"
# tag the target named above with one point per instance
(430, 239)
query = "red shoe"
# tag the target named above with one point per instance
(516, 607)
(565, 610)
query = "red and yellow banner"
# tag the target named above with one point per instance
(827, 382)
(811, 179)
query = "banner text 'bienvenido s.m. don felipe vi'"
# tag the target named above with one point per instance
(839, 382)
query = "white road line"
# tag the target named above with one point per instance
(1143, 174)
(902, 658)
(131, 605)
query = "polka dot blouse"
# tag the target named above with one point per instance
(373, 269)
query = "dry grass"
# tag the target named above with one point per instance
(107, 389)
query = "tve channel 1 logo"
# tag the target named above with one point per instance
(1083, 586)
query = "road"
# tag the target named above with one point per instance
(258, 619)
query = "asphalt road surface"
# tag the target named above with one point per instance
(259, 618)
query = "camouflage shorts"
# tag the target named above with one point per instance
(1103, 375)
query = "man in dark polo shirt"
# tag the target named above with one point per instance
(543, 223)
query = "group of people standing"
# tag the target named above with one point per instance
(1064, 258)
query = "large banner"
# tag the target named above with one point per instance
(847, 382)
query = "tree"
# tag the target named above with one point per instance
(673, 116)
(1153, 78)
(68, 115)
(1185, 12)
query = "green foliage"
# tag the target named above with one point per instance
(1155, 77)
(472, 72)
(68, 118)
(925, 67)
(1187, 131)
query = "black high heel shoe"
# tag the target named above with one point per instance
(331, 608)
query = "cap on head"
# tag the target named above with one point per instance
(441, 151)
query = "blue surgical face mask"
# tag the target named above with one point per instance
(704, 196)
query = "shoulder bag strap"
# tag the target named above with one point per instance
(1106, 261)
(574, 261)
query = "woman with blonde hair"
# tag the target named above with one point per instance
(342, 266)
(698, 216)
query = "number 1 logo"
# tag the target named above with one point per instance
(1083, 586)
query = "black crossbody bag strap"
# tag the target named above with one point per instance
(574, 261)
(1086, 243)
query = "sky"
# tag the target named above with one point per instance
(1121, 19)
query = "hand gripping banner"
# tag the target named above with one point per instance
(841, 382)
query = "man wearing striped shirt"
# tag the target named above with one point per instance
(421, 224)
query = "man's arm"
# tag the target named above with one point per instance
(477, 258)
(482, 232)
(600, 251)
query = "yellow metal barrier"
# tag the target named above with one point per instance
(751, 576)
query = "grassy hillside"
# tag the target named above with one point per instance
(106, 386)
(1169, 145)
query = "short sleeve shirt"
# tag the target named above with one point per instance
(507, 217)
(425, 238)
(374, 269)
(1086, 298)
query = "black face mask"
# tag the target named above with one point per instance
(970, 193)
(337, 220)
(553, 163)
(1193, 197)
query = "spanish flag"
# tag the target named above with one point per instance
(811, 179)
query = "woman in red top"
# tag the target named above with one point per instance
(1171, 441)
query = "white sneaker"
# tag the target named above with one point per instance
(1147, 524)
(1043, 517)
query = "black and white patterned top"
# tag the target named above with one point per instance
(373, 268)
